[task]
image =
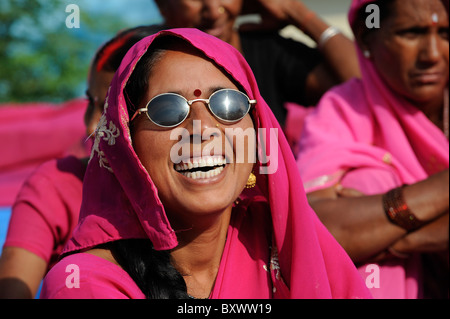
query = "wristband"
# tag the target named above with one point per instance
(327, 35)
(397, 210)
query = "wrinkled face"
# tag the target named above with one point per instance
(185, 189)
(216, 17)
(411, 51)
(98, 84)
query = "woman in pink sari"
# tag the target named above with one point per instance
(374, 155)
(215, 225)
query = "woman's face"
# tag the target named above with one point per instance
(216, 17)
(411, 51)
(183, 195)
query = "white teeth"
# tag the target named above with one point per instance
(205, 161)
(199, 174)
(201, 162)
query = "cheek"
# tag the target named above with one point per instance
(243, 138)
(151, 147)
(185, 15)
(395, 62)
(234, 7)
(92, 120)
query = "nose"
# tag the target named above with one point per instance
(430, 52)
(201, 125)
(212, 9)
(200, 111)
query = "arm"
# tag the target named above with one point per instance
(21, 272)
(360, 224)
(432, 237)
(340, 59)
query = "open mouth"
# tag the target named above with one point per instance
(201, 167)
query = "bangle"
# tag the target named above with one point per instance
(327, 35)
(397, 210)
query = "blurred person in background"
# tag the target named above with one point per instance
(374, 154)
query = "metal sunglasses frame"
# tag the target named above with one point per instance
(190, 102)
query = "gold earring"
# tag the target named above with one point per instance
(251, 182)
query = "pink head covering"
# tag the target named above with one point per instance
(365, 136)
(380, 130)
(120, 200)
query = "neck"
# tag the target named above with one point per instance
(199, 252)
(437, 112)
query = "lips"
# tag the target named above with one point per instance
(428, 77)
(201, 167)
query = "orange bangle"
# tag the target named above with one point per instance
(397, 210)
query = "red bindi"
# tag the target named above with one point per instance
(197, 93)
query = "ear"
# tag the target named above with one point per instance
(363, 36)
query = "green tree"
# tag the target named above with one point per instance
(40, 58)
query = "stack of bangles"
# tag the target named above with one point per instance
(398, 212)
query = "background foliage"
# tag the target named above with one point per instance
(43, 60)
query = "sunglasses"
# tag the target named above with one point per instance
(171, 109)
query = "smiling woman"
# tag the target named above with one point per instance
(150, 229)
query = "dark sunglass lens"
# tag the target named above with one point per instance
(168, 110)
(229, 105)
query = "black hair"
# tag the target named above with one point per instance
(110, 55)
(151, 270)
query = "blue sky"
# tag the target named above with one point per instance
(137, 12)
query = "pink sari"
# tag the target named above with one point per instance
(33, 133)
(276, 246)
(367, 137)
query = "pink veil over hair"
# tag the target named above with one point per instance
(120, 200)
(380, 141)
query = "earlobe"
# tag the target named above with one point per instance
(362, 37)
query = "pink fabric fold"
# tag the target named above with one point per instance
(120, 201)
(366, 137)
(31, 134)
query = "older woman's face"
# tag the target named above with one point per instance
(411, 51)
(185, 194)
(216, 17)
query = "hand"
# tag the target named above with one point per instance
(347, 192)
(432, 237)
(276, 9)
(273, 14)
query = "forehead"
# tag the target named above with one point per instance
(418, 11)
(187, 70)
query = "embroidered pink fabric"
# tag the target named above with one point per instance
(120, 201)
(365, 136)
